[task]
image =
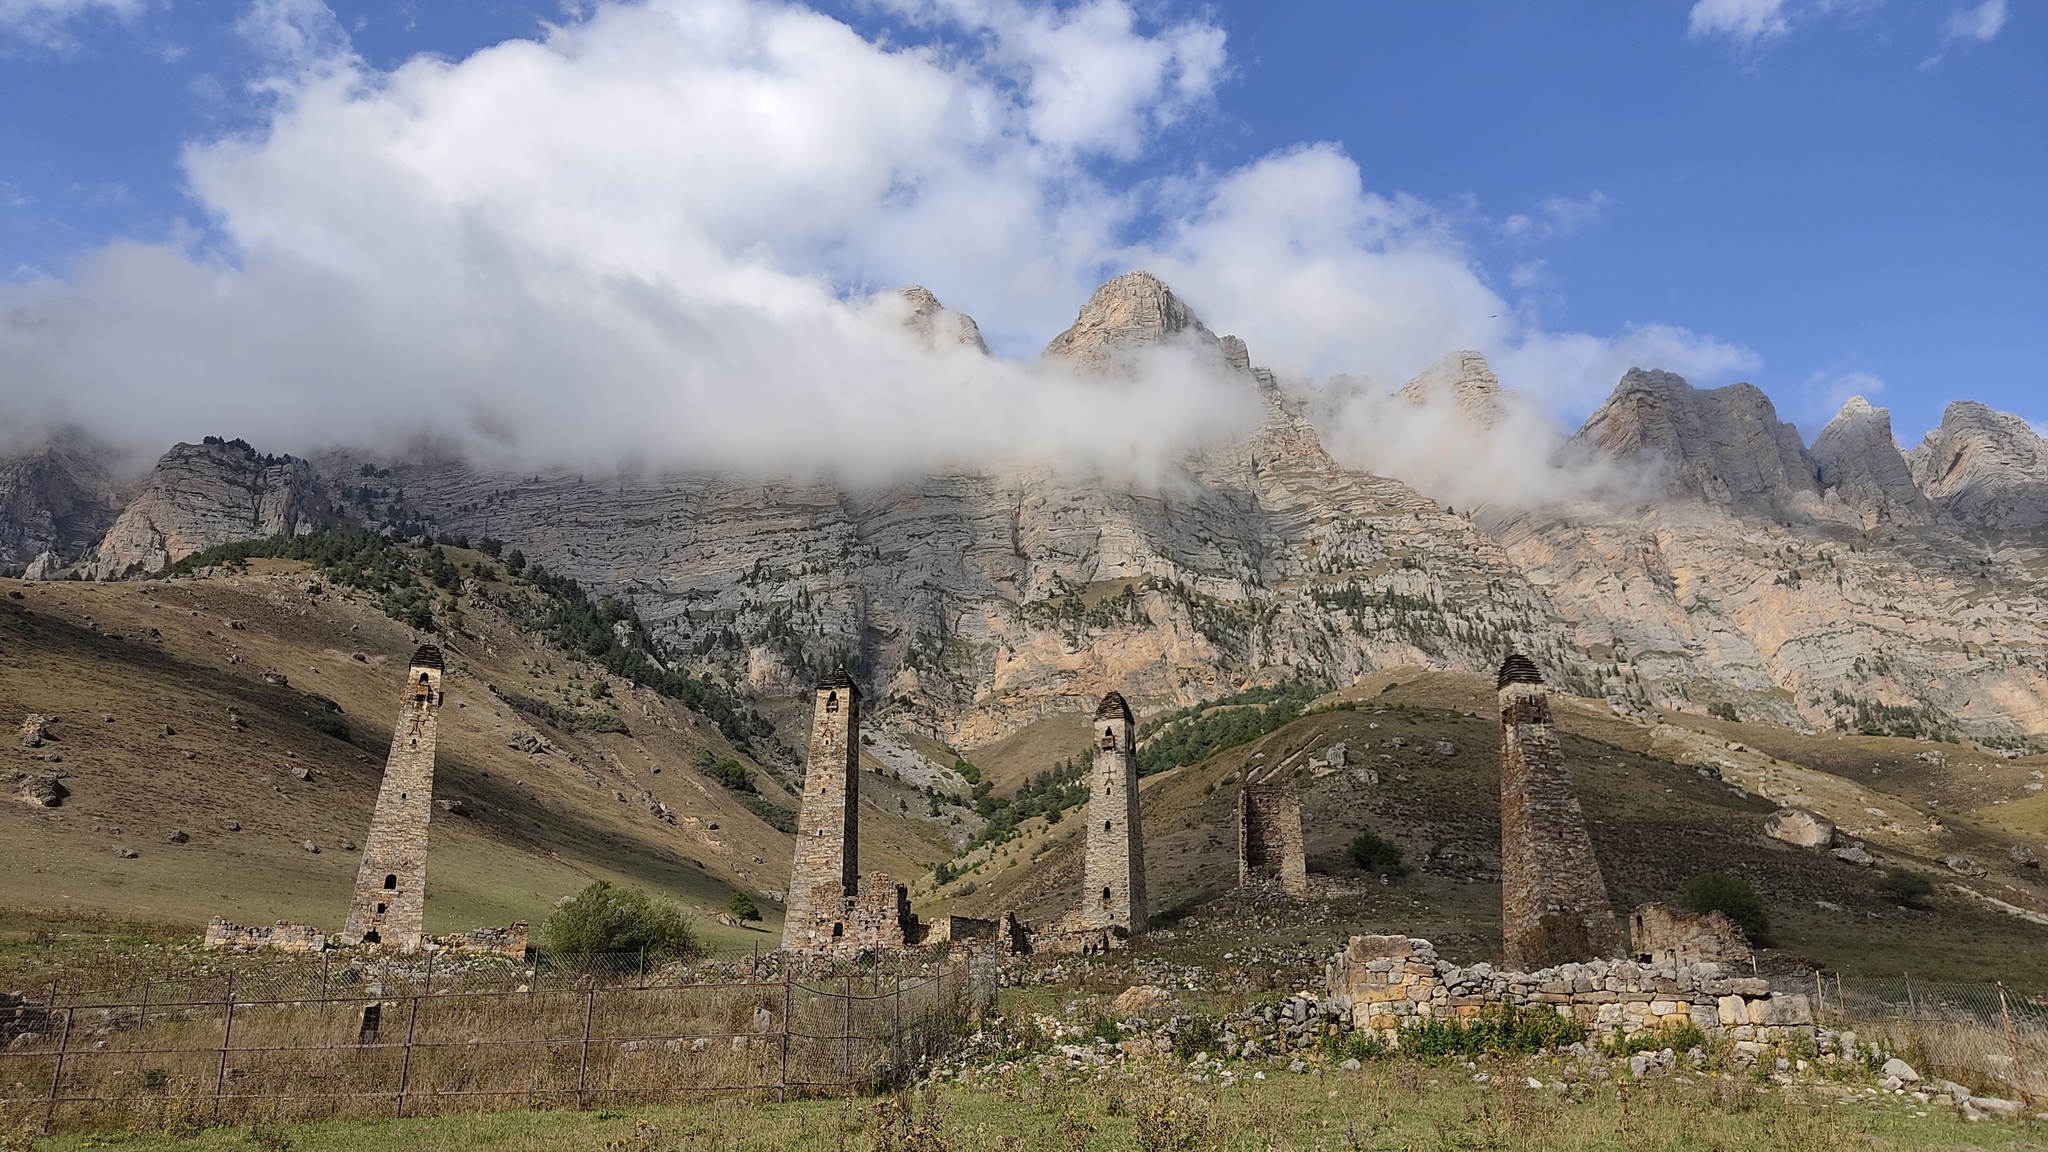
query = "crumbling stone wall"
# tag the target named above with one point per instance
(1554, 906)
(390, 903)
(510, 941)
(1113, 866)
(824, 875)
(1269, 839)
(1389, 983)
(1003, 934)
(283, 936)
(1658, 933)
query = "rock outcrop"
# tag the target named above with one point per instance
(1464, 380)
(55, 502)
(1861, 466)
(202, 495)
(1724, 446)
(1133, 311)
(939, 326)
(1984, 469)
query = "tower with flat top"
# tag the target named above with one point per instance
(1113, 869)
(390, 904)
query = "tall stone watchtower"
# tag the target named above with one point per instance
(390, 904)
(1554, 907)
(824, 875)
(1113, 871)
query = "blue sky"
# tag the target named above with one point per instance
(1821, 197)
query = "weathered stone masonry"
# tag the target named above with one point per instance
(1269, 839)
(825, 872)
(389, 907)
(1113, 869)
(1389, 983)
(1554, 906)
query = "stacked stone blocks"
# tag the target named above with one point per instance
(1113, 866)
(283, 936)
(1554, 906)
(388, 909)
(1390, 983)
(824, 874)
(1270, 848)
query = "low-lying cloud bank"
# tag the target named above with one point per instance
(664, 235)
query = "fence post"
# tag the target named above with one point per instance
(2012, 1041)
(583, 1061)
(1841, 1003)
(325, 957)
(846, 1038)
(782, 1077)
(1911, 1010)
(430, 975)
(1820, 998)
(142, 1017)
(57, 1073)
(896, 1028)
(405, 1063)
(227, 1033)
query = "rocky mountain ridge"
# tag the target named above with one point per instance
(1847, 584)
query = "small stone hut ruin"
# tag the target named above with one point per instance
(1269, 839)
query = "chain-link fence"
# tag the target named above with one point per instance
(268, 1046)
(1980, 1035)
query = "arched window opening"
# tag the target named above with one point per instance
(391, 882)
(831, 701)
(1105, 895)
(423, 678)
(1108, 740)
(380, 909)
(371, 937)
(838, 930)
(1106, 825)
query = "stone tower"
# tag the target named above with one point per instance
(1554, 907)
(1113, 884)
(824, 875)
(1269, 840)
(390, 904)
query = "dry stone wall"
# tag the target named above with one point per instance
(284, 936)
(1389, 983)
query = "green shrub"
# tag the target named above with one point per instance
(1508, 1032)
(1361, 1045)
(772, 814)
(1733, 897)
(1680, 1038)
(1723, 711)
(1906, 886)
(1373, 854)
(741, 907)
(729, 773)
(1105, 1028)
(1199, 1034)
(605, 919)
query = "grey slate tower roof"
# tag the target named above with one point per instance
(427, 656)
(1517, 669)
(1113, 707)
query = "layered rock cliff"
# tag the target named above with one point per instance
(1862, 468)
(1725, 446)
(200, 495)
(56, 501)
(1984, 469)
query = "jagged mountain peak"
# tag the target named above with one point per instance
(938, 325)
(1134, 310)
(208, 493)
(1984, 468)
(1861, 466)
(1725, 445)
(1466, 380)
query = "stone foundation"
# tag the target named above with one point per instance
(1388, 983)
(510, 941)
(877, 917)
(283, 936)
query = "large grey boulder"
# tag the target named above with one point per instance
(1800, 828)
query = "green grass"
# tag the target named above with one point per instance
(1400, 1105)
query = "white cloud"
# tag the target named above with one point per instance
(45, 22)
(1977, 22)
(1556, 216)
(656, 235)
(1747, 22)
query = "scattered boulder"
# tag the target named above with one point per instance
(302, 773)
(1800, 828)
(44, 791)
(1144, 1000)
(277, 678)
(1336, 755)
(231, 825)
(456, 807)
(1896, 1067)
(1446, 748)
(35, 730)
(348, 845)
(309, 846)
(126, 853)
(2024, 856)
(1962, 865)
(1855, 854)
(178, 836)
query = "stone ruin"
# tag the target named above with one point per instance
(509, 942)
(389, 906)
(1004, 934)
(36, 729)
(1391, 983)
(1269, 839)
(1554, 906)
(283, 936)
(1113, 906)
(1660, 934)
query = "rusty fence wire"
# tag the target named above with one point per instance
(1981, 1035)
(382, 1048)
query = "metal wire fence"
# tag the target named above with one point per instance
(1980, 1035)
(262, 1050)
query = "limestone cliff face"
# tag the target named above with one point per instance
(1984, 469)
(1135, 310)
(1725, 446)
(1464, 380)
(200, 495)
(55, 502)
(938, 325)
(1862, 468)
